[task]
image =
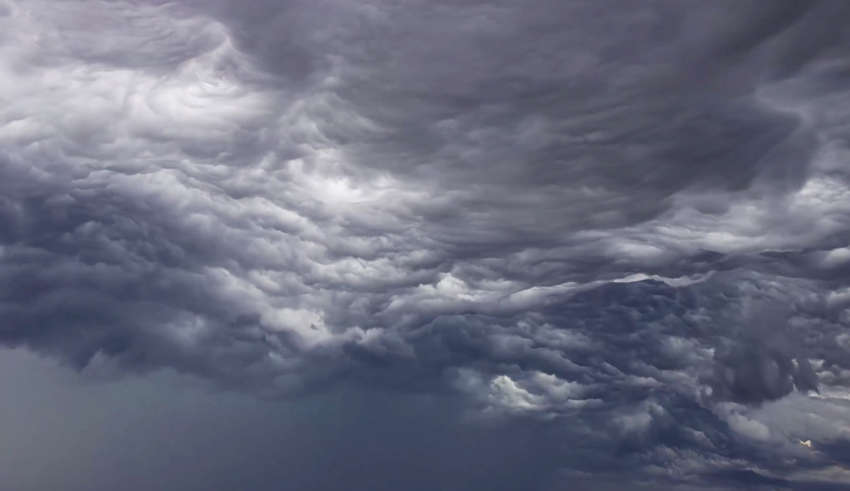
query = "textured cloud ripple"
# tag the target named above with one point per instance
(624, 225)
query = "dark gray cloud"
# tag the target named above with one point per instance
(623, 226)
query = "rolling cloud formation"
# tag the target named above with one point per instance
(625, 222)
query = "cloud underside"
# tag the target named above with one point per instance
(629, 223)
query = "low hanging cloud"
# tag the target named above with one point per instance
(630, 223)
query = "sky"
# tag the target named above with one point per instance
(424, 245)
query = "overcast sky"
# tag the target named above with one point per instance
(424, 245)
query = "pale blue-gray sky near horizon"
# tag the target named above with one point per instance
(443, 244)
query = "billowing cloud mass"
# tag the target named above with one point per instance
(625, 226)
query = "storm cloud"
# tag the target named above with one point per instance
(610, 239)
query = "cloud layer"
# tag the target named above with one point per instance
(629, 224)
